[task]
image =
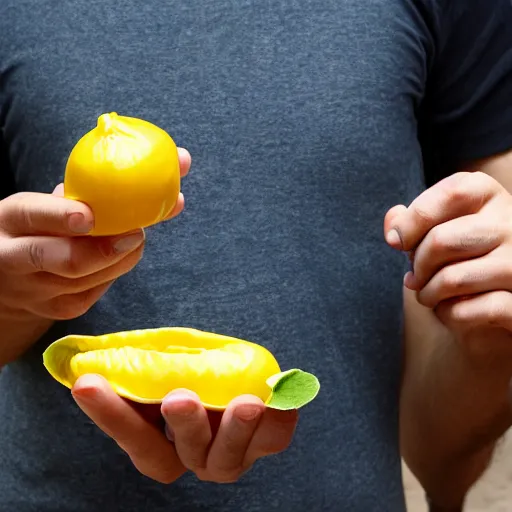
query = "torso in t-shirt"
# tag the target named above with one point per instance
(301, 120)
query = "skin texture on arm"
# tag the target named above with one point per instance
(455, 401)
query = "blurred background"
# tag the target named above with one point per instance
(492, 494)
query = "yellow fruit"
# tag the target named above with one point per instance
(127, 171)
(145, 365)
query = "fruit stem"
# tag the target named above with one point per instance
(106, 122)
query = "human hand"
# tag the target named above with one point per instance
(48, 268)
(217, 447)
(459, 237)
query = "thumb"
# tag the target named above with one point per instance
(391, 235)
(32, 213)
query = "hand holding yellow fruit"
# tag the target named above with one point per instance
(127, 171)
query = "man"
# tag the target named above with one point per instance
(308, 122)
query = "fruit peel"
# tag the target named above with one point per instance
(127, 171)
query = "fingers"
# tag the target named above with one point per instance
(458, 195)
(227, 459)
(470, 277)
(491, 309)
(68, 306)
(185, 161)
(151, 453)
(188, 420)
(28, 213)
(178, 207)
(66, 257)
(467, 237)
(51, 285)
(274, 434)
(46, 286)
(247, 431)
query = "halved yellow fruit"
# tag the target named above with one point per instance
(127, 171)
(145, 365)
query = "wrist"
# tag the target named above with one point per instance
(433, 507)
(20, 329)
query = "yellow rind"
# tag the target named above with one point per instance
(216, 367)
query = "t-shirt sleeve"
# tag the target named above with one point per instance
(467, 109)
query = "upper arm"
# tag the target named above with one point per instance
(465, 123)
(466, 114)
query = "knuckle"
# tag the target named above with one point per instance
(9, 263)
(438, 240)
(24, 212)
(36, 255)
(458, 313)
(67, 307)
(422, 214)
(462, 185)
(455, 191)
(480, 179)
(15, 210)
(497, 309)
(72, 263)
(452, 280)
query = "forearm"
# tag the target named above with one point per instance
(18, 333)
(453, 410)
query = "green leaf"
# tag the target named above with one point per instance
(292, 389)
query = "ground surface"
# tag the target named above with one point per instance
(492, 494)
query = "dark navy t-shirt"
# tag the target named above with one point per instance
(306, 121)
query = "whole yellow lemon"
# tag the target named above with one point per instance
(127, 171)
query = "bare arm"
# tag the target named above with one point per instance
(454, 403)
(18, 334)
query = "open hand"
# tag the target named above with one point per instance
(165, 441)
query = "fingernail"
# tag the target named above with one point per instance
(393, 238)
(78, 223)
(181, 404)
(129, 242)
(410, 281)
(247, 412)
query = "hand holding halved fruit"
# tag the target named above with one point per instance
(145, 365)
(242, 406)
